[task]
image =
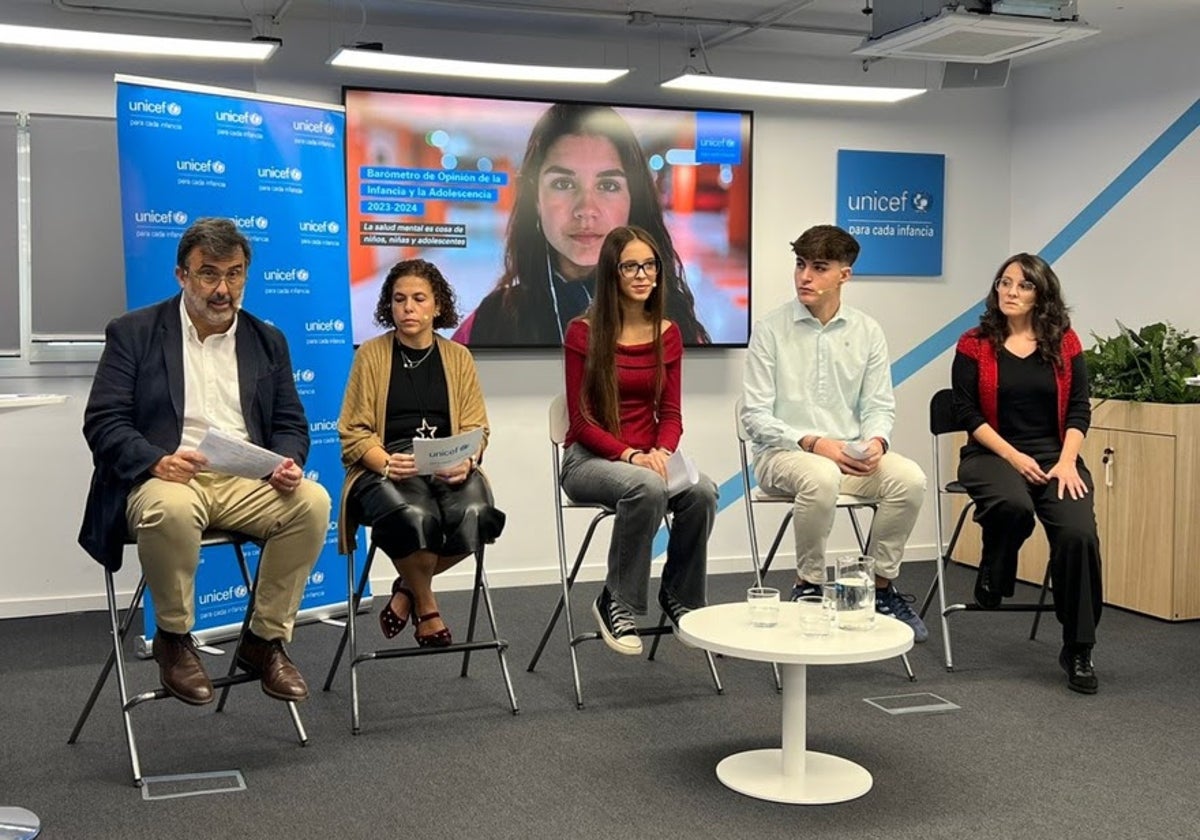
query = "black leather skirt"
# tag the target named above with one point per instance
(426, 513)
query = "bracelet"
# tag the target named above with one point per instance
(632, 452)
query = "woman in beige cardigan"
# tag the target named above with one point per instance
(405, 384)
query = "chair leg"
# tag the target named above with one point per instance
(251, 587)
(353, 601)
(500, 649)
(122, 691)
(477, 584)
(1041, 604)
(122, 632)
(908, 668)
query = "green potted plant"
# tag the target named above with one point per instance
(1151, 365)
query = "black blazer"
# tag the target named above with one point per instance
(134, 413)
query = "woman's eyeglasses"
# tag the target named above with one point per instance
(1005, 284)
(630, 269)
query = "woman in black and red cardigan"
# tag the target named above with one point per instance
(1020, 390)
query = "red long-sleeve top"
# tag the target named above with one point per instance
(641, 427)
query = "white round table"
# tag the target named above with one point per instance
(792, 774)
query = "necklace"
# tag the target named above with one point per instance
(408, 363)
(558, 321)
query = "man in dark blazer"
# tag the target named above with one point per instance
(169, 372)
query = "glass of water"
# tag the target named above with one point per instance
(764, 606)
(814, 616)
(855, 593)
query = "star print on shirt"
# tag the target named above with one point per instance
(425, 431)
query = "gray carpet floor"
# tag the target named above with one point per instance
(442, 757)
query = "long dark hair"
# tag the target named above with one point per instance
(1050, 318)
(525, 284)
(601, 398)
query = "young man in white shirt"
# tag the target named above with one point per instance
(817, 395)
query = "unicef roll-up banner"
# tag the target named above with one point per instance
(274, 166)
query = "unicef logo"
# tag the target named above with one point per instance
(174, 109)
(255, 119)
(339, 324)
(328, 128)
(305, 375)
(313, 475)
(218, 167)
(318, 578)
(297, 174)
(302, 275)
(261, 222)
(921, 202)
(334, 227)
(241, 591)
(179, 217)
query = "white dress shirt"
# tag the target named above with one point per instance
(804, 378)
(211, 396)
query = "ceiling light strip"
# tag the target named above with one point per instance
(790, 90)
(151, 45)
(359, 59)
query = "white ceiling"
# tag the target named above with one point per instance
(818, 28)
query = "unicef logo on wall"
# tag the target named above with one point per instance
(174, 109)
(306, 376)
(280, 173)
(921, 202)
(253, 222)
(313, 475)
(256, 118)
(314, 127)
(317, 578)
(329, 228)
(180, 218)
(149, 106)
(285, 275)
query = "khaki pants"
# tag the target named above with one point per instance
(814, 482)
(167, 518)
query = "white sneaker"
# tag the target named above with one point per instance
(617, 626)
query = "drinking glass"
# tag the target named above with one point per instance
(814, 616)
(764, 606)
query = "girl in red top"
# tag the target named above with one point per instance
(622, 362)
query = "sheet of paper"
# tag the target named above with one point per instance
(233, 456)
(858, 450)
(433, 454)
(681, 473)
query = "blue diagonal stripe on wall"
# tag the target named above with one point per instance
(1084, 221)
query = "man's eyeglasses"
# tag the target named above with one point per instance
(630, 269)
(210, 278)
(1005, 284)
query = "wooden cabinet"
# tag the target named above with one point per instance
(1145, 460)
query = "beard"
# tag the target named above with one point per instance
(198, 307)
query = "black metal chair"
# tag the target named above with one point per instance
(558, 422)
(942, 422)
(119, 628)
(754, 496)
(354, 596)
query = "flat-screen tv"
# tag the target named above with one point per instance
(512, 198)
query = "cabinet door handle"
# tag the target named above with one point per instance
(1107, 460)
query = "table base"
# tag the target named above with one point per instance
(827, 778)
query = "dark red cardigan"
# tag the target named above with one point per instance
(974, 346)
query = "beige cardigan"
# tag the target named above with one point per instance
(364, 409)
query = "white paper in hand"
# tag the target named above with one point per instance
(434, 454)
(234, 456)
(858, 450)
(681, 473)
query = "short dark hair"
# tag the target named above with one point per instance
(826, 242)
(443, 294)
(216, 237)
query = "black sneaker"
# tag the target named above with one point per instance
(1076, 660)
(617, 625)
(670, 604)
(804, 588)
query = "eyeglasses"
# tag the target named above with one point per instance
(210, 278)
(630, 269)
(1004, 284)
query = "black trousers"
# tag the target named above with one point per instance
(1005, 506)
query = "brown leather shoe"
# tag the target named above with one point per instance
(179, 668)
(267, 659)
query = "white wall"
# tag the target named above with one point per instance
(1076, 126)
(47, 464)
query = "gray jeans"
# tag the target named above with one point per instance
(639, 497)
